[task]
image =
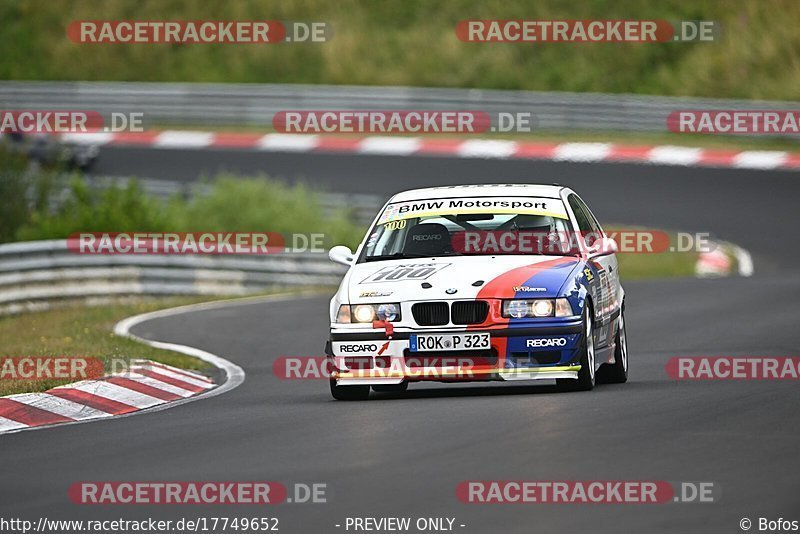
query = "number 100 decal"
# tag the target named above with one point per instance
(397, 273)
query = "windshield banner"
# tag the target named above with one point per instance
(552, 207)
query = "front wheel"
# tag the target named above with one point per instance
(617, 372)
(586, 376)
(348, 393)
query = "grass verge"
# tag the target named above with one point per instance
(646, 265)
(85, 331)
(661, 265)
(414, 43)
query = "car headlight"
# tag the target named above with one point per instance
(388, 312)
(516, 308)
(343, 315)
(543, 308)
(363, 313)
(563, 308)
(520, 308)
(366, 313)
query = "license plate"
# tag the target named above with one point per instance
(440, 342)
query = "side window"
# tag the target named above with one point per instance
(592, 221)
(580, 215)
(587, 224)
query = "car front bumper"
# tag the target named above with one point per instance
(547, 350)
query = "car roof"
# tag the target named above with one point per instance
(482, 190)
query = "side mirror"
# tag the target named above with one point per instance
(604, 247)
(341, 254)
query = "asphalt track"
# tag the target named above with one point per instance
(404, 456)
(751, 208)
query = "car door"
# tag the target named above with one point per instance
(603, 276)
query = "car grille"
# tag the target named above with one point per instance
(470, 311)
(438, 313)
(431, 313)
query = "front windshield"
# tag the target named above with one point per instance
(469, 227)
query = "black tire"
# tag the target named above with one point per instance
(617, 372)
(402, 387)
(586, 376)
(348, 393)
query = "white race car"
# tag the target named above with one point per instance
(486, 282)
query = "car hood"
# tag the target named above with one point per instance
(459, 278)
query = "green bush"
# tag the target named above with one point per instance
(14, 207)
(115, 209)
(250, 204)
(243, 204)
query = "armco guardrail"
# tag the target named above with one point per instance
(35, 272)
(255, 104)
